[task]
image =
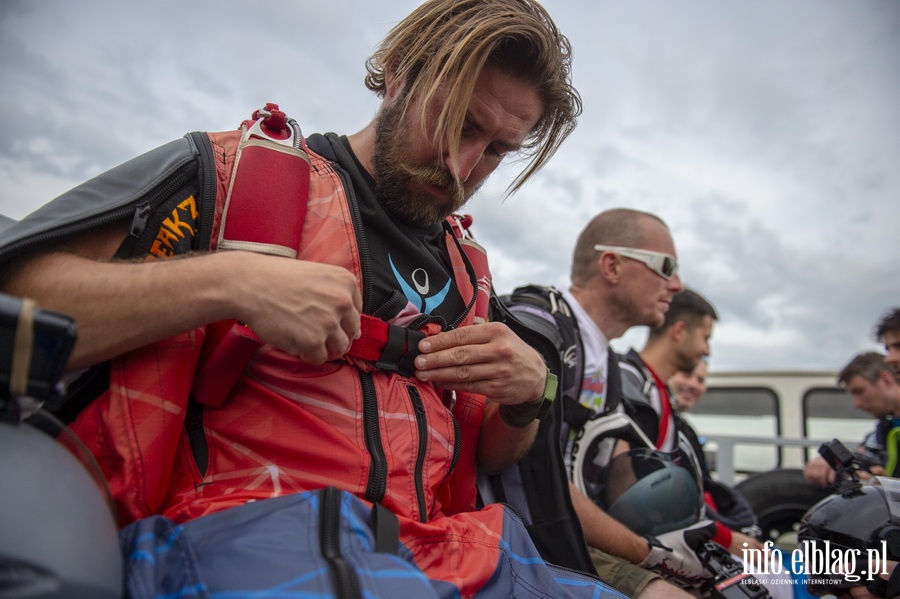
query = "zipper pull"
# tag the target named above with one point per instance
(139, 220)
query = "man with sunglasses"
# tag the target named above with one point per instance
(623, 274)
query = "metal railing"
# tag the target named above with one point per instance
(725, 444)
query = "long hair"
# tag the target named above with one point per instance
(444, 45)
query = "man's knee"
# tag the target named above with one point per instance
(623, 575)
(660, 589)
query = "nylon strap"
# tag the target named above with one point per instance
(22, 349)
(387, 530)
(391, 347)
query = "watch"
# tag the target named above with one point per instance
(523, 414)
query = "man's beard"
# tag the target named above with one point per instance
(686, 362)
(395, 173)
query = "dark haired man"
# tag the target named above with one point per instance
(872, 386)
(887, 331)
(677, 345)
(680, 343)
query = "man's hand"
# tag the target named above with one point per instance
(740, 542)
(491, 360)
(674, 553)
(818, 471)
(488, 359)
(307, 309)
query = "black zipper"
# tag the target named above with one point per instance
(344, 579)
(207, 186)
(196, 436)
(139, 217)
(376, 484)
(422, 426)
(473, 277)
(457, 446)
(362, 245)
(145, 208)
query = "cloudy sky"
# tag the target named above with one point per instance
(765, 132)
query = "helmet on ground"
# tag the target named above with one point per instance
(57, 534)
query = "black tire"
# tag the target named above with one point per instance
(780, 498)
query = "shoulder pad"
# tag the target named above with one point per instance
(636, 384)
(544, 309)
(108, 197)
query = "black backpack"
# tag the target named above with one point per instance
(537, 486)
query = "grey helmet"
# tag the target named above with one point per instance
(57, 534)
(650, 491)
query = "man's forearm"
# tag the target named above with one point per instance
(604, 532)
(119, 306)
(307, 309)
(501, 444)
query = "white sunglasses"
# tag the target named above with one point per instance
(662, 264)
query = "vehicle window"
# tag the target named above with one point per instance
(828, 413)
(739, 412)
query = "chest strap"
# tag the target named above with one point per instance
(230, 346)
(391, 347)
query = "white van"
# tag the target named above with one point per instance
(757, 421)
(761, 427)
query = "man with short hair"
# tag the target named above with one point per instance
(623, 274)
(872, 386)
(679, 344)
(689, 386)
(357, 355)
(887, 331)
(619, 279)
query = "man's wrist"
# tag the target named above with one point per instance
(653, 555)
(520, 415)
(523, 414)
(649, 550)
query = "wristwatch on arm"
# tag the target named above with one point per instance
(523, 414)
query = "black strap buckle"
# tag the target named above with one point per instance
(400, 351)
